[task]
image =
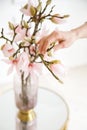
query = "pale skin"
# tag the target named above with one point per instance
(63, 39)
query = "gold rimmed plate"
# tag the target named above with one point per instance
(52, 111)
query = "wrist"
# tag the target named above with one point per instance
(81, 31)
(75, 34)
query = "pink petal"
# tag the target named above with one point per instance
(26, 11)
(8, 50)
(20, 33)
(35, 68)
(18, 37)
(23, 61)
(10, 69)
(58, 69)
(6, 61)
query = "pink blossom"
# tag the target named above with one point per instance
(20, 33)
(23, 62)
(13, 64)
(58, 69)
(35, 67)
(26, 10)
(8, 50)
(32, 69)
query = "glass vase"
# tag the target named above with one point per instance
(26, 91)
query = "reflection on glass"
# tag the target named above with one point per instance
(27, 125)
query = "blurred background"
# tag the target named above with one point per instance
(74, 58)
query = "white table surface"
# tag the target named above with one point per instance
(51, 112)
(74, 91)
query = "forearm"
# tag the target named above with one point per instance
(80, 32)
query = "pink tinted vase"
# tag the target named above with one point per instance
(26, 91)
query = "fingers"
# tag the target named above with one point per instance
(42, 45)
(45, 42)
(60, 45)
(48, 41)
(57, 47)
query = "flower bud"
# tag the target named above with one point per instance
(11, 26)
(25, 24)
(39, 7)
(11, 58)
(49, 2)
(56, 20)
(25, 6)
(27, 39)
(55, 62)
(33, 10)
(66, 16)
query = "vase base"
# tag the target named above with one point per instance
(26, 115)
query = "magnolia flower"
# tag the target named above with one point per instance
(26, 10)
(20, 34)
(13, 64)
(34, 68)
(58, 69)
(8, 50)
(26, 67)
(20, 63)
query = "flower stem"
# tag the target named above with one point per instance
(24, 90)
(41, 56)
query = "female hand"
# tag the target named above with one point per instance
(62, 40)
